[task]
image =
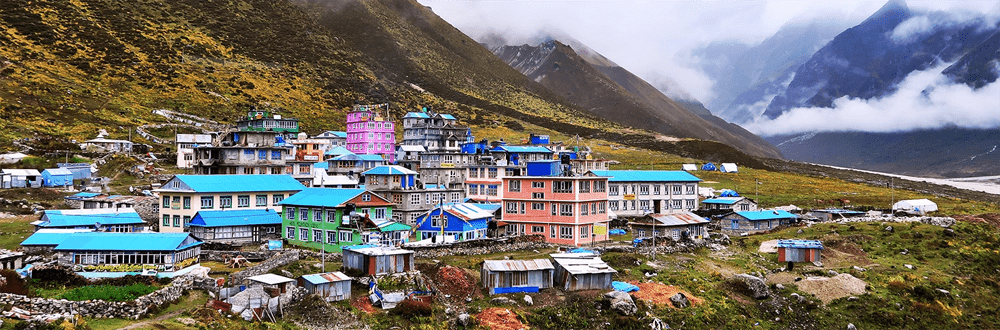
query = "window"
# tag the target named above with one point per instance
(278, 198)
(166, 202)
(415, 199)
(537, 229)
(331, 216)
(427, 198)
(552, 231)
(584, 186)
(304, 234)
(689, 189)
(177, 221)
(599, 185)
(226, 202)
(602, 207)
(187, 202)
(345, 236)
(290, 232)
(318, 235)
(537, 195)
(166, 220)
(676, 203)
(331, 236)
(304, 215)
(187, 220)
(262, 155)
(676, 189)
(538, 206)
(553, 208)
(397, 199)
(566, 232)
(514, 185)
(562, 187)
(584, 209)
(207, 201)
(613, 190)
(261, 200)
(511, 208)
(248, 152)
(366, 198)
(493, 173)
(656, 189)
(491, 190)
(743, 207)
(614, 205)
(644, 189)
(640, 232)
(318, 215)
(243, 200)
(538, 184)
(521, 204)
(275, 154)
(689, 203)
(380, 213)
(584, 231)
(456, 197)
(290, 213)
(566, 209)
(644, 205)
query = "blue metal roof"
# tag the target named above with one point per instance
(57, 171)
(722, 200)
(373, 157)
(447, 116)
(529, 149)
(240, 182)
(766, 214)
(647, 176)
(324, 278)
(144, 241)
(389, 170)
(487, 207)
(337, 133)
(322, 197)
(323, 165)
(800, 244)
(45, 238)
(235, 218)
(416, 115)
(74, 218)
(338, 151)
(85, 194)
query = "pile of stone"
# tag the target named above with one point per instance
(937, 221)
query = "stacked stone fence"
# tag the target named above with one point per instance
(222, 255)
(278, 260)
(482, 246)
(133, 310)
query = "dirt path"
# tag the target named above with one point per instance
(148, 323)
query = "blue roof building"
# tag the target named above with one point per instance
(185, 195)
(57, 177)
(755, 221)
(637, 193)
(463, 221)
(113, 220)
(236, 226)
(103, 254)
(520, 155)
(334, 218)
(729, 203)
(390, 177)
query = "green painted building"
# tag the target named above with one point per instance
(321, 217)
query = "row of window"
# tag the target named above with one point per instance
(176, 220)
(208, 202)
(564, 232)
(561, 209)
(320, 215)
(372, 136)
(561, 186)
(482, 189)
(332, 236)
(433, 198)
(644, 189)
(371, 146)
(676, 204)
(371, 125)
(261, 154)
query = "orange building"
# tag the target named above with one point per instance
(564, 209)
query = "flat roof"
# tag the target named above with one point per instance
(324, 278)
(270, 279)
(517, 265)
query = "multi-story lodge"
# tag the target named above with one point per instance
(322, 218)
(249, 152)
(483, 182)
(369, 133)
(564, 209)
(265, 121)
(185, 144)
(437, 132)
(637, 193)
(184, 195)
(334, 138)
(412, 199)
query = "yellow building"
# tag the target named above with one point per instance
(184, 195)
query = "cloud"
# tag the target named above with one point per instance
(924, 100)
(926, 23)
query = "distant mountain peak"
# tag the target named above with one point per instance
(890, 9)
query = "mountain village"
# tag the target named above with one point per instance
(264, 195)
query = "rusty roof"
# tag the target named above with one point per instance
(517, 265)
(678, 219)
(326, 277)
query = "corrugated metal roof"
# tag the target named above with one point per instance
(679, 219)
(322, 197)
(389, 170)
(336, 133)
(407, 147)
(416, 115)
(57, 171)
(86, 194)
(322, 165)
(240, 182)
(373, 157)
(270, 279)
(224, 218)
(144, 241)
(89, 217)
(488, 207)
(323, 278)
(765, 214)
(800, 244)
(50, 236)
(447, 116)
(20, 172)
(517, 265)
(647, 176)
(582, 263)
(466, 211)
(534, 149)
(372, 250)
(338, 151)
(392, 226)
(722, 200)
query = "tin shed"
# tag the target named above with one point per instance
(507, 276)
(332, 286)
(377, 260)
(271, 281)
(57, 177)
(582, 271)
(797, 250)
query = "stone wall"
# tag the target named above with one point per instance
(278, 260)
(220, 255)
(148, 208)
(483, 246)
(100, 308)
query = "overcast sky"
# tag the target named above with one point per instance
(654, 38)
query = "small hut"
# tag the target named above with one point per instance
(507, 276)
(377, 260)
(57, 177)
(581, 271)
(797, 250)
(332, 286)
(271, 281)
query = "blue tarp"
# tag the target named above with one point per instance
(529, 289)
(582, 251)
(729, 193)
(617, 232)
(708, 167)
(624, 287)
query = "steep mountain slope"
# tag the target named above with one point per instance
(609, 91)
(980, 66)
(70, 68)
(869, 59)
(748, 77)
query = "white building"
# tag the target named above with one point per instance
(637, 193)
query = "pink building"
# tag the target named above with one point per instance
(370, 133)
(564, 209)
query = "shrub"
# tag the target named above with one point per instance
(410, 308)
(13, 283)
(108, 292)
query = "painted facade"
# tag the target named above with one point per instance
(370, 133)
(636, 193)
(321, 218)
(562, 209)
(184, 195)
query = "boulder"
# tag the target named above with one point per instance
(679, 300)
(463, 320)
(528, 301)
(850, 326)
(621, 302)
(753, 285)
(832, 273)
(501, 301)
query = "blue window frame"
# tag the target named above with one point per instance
(262, 154)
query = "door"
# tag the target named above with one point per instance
(656, 206)
(736, 224)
